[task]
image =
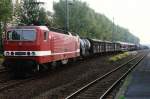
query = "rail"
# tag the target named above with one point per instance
(104, 76)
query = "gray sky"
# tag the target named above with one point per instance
(131, 14)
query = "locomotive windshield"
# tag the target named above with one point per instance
(21, 35)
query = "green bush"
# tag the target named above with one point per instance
(118, 57)
(121, 97)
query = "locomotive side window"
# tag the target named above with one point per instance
(13, 35)
(45, 35)
(22, 35)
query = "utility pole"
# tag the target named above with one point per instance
(113, 30)
(66, 17)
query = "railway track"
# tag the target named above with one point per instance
(3, 70)
(100, 87)
(3, 73)
(10, 83)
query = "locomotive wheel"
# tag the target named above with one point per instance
(54, 64)
(65, 61)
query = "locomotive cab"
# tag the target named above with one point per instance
(23, 45)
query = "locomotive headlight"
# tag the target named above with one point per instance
(28, 53)
(33, 53)
(12, 53)
(7, 53)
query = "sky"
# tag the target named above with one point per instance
(131, 14)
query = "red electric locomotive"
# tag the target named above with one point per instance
(29, 47)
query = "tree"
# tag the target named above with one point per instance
(5, 16)
(5, 13)
(16, 13)
(30, 12)
(44, 17)
(87, 23)
(5, 10)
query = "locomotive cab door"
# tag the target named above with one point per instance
(45, 46)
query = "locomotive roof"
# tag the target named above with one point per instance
(44, 28)
(30, 27)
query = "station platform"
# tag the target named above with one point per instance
(137, 85)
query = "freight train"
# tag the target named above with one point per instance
(90, 47)
(35, 47)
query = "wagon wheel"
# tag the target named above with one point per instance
(54, 64)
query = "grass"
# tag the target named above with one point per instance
(118, 57)
(122, 97)
(123, 88)
(1, 58)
